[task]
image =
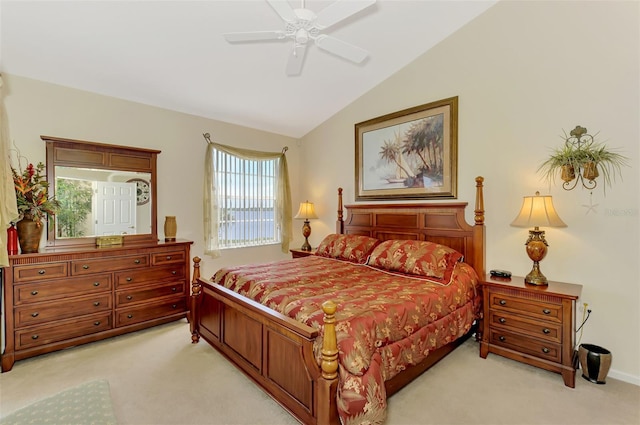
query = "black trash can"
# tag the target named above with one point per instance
(595, 362)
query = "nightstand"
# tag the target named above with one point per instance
(298, 253)
(531, 324)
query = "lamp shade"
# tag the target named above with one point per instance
(306, 211)
(538, 211)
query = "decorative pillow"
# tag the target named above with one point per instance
(420, 258)
(353, 248)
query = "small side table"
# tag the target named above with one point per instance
(298, 253)
(531, 324)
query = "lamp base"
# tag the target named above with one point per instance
(306, 232)
(535, 276)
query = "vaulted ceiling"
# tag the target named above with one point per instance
(172, 54)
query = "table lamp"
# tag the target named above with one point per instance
(537, 211)
(306, 212)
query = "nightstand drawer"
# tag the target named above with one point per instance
(535, 347)
(525, 325)
(532, 308)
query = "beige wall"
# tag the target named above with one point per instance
(524, 71)
(35, 108)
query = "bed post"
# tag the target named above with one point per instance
(479, 261)
(194, 302)
(340, 221)
(328, 384)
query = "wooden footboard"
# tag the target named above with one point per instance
(275, 351)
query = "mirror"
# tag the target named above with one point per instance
(103, 190)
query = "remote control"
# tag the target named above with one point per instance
(500, 273)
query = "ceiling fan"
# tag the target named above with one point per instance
(302, 25)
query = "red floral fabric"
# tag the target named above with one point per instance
(420, 258)
(386, 322)
(354, 248)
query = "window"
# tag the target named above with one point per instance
(246, 200)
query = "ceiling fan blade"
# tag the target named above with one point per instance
(339, 10)
(283, 8)
(296, 59)
(238, 37)
(340, 48)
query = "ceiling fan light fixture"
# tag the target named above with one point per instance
(303, 24)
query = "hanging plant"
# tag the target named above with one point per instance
(582, 159)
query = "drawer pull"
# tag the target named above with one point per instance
(546, 331)
(174, 306)
(96, 303)
(96, 283)
(36, 314)
(501, 338)
(503, 302)
(42, 271)
(545, 350)
(129, 279)
(174, 289)
(136, 261)
(35, 336)
(34, 292)
(129, 297)
(502, 320)
(97, 323)
(546, 311)
(85, 266)
(174, 272)
(129, 316)
(168, 257)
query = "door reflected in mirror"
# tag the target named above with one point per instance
(97, 202)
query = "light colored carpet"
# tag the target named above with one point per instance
(158, 377)
(86, 404)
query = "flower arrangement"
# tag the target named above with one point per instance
(32, 193)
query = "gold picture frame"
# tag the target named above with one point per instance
(409, 154)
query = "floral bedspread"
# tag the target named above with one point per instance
(385, 321)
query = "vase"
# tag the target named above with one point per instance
(568, 173)
(29, 234)
(590, 171)
(170, 228)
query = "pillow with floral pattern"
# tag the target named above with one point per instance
(421, 258)
(353, 248)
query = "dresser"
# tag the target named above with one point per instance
(64, 297)
(531, 324)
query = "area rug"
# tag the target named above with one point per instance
(86, 404)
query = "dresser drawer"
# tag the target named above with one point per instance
(158, 274)
(42, 335)
(145, 312)
(62, 288)
(29, 273)
(168, 257)
(142, 294)
(532, 308)
(535, 347)
(33, 314)
(544, 330)
(99, 265)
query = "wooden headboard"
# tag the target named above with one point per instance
(443, 223)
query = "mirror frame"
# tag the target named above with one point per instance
(79, 153)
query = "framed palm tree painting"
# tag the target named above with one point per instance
(410, 154)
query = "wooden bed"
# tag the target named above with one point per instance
(276, 351)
